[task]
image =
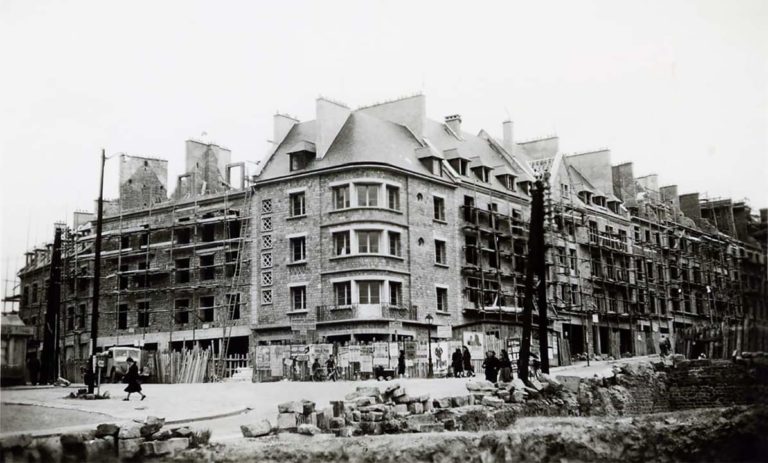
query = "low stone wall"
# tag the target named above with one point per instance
(715, 383)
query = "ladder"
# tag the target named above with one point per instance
(232, 300)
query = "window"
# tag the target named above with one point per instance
(208, 232)
(143, 318)
(341, 197)
(206, 308)
(439, 208)
(297, 204)
(266, 296)
(183, 236)
(234, 228)
(298, 249)
(460, 165)
(440, 254)
(182, 271)
(343, 293)
(508, 181)
(25, 298)
(231, 258)
(70, 318)
(266, 241)
(482, 173)
(299, 161)
(369, 292)
(395, 293)
(266, 206)
(394, 244)
(442, 299)
(81, 317)
(266, 259)
(125, 242)
(143, 239)
(34, 293)
(341, 243)
(574, 294)
(368, 242)
(266, 224)
(207, 269)
(299, 298)
(181, 307)
(393, 197)
(572, 256)
(233, 306)
(367, 195)
(122, 316)
(266, 278)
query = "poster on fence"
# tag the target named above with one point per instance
(410, 349)
(276, 360)
(321, 351)
(354, 354)
(343, 357)
(474, 342)
(262, 357)
(441, 356)
(381, 353)
(394, 354)
(366, 350)
(422, 351)
(366, 364)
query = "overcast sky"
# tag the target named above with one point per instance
(678, 87)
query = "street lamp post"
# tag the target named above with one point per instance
(430, 372)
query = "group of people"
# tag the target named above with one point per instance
(461, 361)
(497, 368)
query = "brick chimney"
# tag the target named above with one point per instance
(454, 122)
(282, 125)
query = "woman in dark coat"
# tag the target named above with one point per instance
(457, 362)
(132, 378)
(467, 359)
(491, 366)
(401, 364)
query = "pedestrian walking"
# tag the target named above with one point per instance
(401, 364)
(491, 366)
(330, 367)
(458, 363)
(466, 357)
(132, 378)
(505, 367)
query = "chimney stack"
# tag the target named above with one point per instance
(282, 125)
(508, 142)
(454, 122)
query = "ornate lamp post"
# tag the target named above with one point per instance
(430, 372)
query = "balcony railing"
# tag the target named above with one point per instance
(327, 313)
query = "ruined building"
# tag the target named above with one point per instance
(379, 223)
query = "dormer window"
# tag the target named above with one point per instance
(460, 165)
(483, 173)
(585, 196)
(525, 186)
(508, 181)
(598, 201)
(301, 154)
(613, 206)
(299, 161)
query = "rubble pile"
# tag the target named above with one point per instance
(108, 441)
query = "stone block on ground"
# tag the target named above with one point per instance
(163, 434)
(491, 401)
(518, 384)
(390, 390)
(374, 408)
(504, 395)
(570, 383)
(372, 416)
(129, 448)
(337, 406)
(346, 431)
(310, 418)
(442, 403)
(337, 422)
(258, 429)
(401, 410)
(308, 429)
(199, 437)
(290, 407)
(151, 425)
(181, 432)
(459, 401)
(107, 429)
(365, 401)
(286, 421)
(428, 406)
(131, 431)
(431, 427)
(324, 418)
(166, 447)
(99, 449)
(519, 396)
(480, 385)
(403, 399)
(399, 392)
(307, 407)
(415, 408)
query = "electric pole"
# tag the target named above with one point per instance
(96, 274)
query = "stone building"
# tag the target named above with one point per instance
(175, 271)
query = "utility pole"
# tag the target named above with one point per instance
(50, 361)
(96, 273)
(534, 266)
